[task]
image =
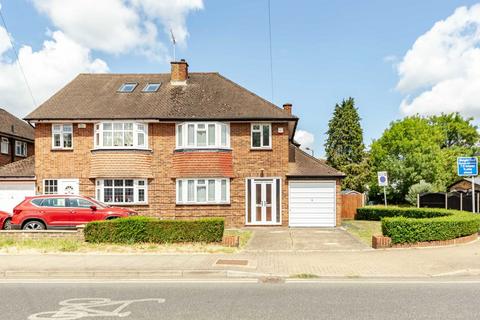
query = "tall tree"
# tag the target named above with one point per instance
(344, 147)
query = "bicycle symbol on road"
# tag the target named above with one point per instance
(74, 309)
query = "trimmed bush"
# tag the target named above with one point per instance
(410, 225)
(145, 229)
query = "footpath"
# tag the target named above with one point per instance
(424, 263)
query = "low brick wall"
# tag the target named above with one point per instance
(382, 242)
(231, 241)
(44, 234)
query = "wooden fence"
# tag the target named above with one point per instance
(350, 203)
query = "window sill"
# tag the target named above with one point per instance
(121, 149)
(128, 204)
(204, 204)
(213, 149)
(61, 149)
(261, 149)
(20, 155)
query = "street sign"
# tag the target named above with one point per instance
(467, 166)
(383, 178)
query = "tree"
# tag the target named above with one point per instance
(421, 148)
(344, 147)
(417, 189)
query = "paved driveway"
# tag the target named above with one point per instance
(302, 239)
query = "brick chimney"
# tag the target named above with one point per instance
(287, 107)
(179, 73)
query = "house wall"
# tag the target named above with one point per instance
(7, 158)
(80, 164)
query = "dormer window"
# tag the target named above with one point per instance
(203, 135)
(127, 87)
(151, 87)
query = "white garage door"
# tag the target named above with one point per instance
(12, 193)
(312, 203)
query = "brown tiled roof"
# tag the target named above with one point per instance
(13, 126)
(301, 164)
(202, 164)
(206, 96)
(24, 168)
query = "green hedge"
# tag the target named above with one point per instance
(410, 225)
(145, 229)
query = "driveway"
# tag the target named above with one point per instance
(303, 239)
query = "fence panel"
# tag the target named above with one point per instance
(350, 203)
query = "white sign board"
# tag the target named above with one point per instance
(383, 178)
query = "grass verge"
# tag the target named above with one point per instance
(75, 246)
(363, 230)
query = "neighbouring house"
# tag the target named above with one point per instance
(16, 138)
(464, 185)
(17, 181)
(181, 145)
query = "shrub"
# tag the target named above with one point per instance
(145, 229)
(417, 189)
(410, 225)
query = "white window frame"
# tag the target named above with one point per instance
(61, 131)
(23, 148)
(262, 145)
(182, 191)
(157, 86)
(53, 183)
(122, 87)
(99, 130)
(5, 146)
(138, 184)
(181, 139)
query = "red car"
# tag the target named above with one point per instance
(62, 212)
(5, 221)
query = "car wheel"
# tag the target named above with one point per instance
(7, 225)
(34, 225)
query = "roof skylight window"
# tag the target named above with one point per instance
(127, 87)
(151, 87)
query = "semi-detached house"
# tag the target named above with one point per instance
(179, 146)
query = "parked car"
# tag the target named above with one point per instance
(62, 212)
(5, 221)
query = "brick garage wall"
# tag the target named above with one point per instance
(247, 163)
(42, 235)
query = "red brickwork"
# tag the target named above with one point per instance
(203, 164)
(380, 242)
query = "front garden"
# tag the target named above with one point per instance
(418, 225)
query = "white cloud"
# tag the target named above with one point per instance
(57, 62)
(305, 138)
(120, 26)
(4, 41)
(441, 72)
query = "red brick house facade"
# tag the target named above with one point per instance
(16, 138)
(180, 146)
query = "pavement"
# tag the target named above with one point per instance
(254, 262)
(152, 301)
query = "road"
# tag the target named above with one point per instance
(153, 301)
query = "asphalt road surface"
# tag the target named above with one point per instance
(153, 301)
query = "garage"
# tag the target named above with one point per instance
(312, 203)
(17, 181)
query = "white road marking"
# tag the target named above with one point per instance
(74, 309)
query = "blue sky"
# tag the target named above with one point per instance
(323, 51)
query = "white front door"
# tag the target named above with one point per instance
(68, 186)
(263, 207)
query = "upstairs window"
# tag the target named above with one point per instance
(203, 135)
(121, 135)
(62, 136)
(151, 87)
(261, 135)
(20, 148)
(5, 145)
(127, 87)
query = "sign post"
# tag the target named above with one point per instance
(468, 167)
(383, 182)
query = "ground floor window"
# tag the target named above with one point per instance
(50, 186)
(122, 191)
(203, 191)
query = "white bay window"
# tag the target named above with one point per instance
(122, 191)
(121, 135)
(203, 135)
(203, 191)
